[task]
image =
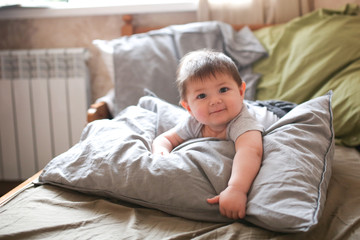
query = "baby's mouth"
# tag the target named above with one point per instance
(217, 111)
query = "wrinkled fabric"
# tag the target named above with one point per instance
(149, 60)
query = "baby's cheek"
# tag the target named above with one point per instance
(201, 116)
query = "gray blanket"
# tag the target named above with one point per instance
(113, 159)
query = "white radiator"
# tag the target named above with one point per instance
(43, 102)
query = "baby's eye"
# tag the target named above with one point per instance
(201, 96)
(223, 89)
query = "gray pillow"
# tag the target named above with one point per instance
(149, 60)
(289, 192)
(113, 159)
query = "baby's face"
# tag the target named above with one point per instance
(214, 101)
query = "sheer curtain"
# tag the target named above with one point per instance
(253, 11)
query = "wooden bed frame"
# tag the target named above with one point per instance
(100, 110)
(8, 196)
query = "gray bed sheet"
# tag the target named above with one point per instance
(50, 212)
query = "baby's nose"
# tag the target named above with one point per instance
(215, 100)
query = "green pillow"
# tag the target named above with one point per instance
(311, 55)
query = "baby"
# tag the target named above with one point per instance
(212, 91)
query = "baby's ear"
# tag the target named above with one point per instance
(242, 88)
(186, 106)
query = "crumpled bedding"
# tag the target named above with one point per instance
(149, 60)
(113, 159)
(50, 212)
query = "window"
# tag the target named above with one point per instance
(86, 3)
(29, 3)
(63, 8)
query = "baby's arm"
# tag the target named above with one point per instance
(165, 142)
(246, 164)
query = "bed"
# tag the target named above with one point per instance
(109, 186)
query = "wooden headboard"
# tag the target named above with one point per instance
(100, 110)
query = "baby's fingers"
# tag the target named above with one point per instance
(213, 200)
(232, 214)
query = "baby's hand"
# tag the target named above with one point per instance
(232, 202)
(160, 150)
